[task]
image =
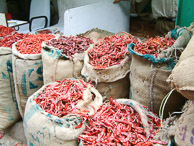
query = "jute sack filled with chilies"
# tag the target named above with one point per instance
(27, 72)
(148, 84)
(42, 128)
(184, 128)
(178, 128)
(27, 67)
(182, 74)
(182, 36)
(63, 57)
(111, 80)
(111, 126)
(9, 113)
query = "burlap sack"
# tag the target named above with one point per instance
(27, 73)
(57, 66)
(95, 34)
(184, 134)
(7, 140)
(112, 81)
(182, 75)
(116, 89)
(9, 113)
(45, 129)
(167, 131)
(142, 111)
(182, 36)
(148, 84)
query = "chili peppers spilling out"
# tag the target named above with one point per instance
(32, 44)
(6, 31)
(110, 51)
(116, 124)
(71, 45)
(7, 41)
(153, 46)
(60, 99)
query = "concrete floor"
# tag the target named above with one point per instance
(14, 135)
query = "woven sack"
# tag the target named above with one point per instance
(9, 113)
(182, 75)
(44, 129)
(184, 134)
(112, 81)
(27, 73)
(148, 84)
(57, 66)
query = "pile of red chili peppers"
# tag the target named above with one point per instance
(60, 99)
(8, 40)
(115, 124)
(32, 44)
(70, 45)
(6, 31)
(110, 51)
(153, 46)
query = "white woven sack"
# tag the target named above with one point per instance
(9, 113)
(27, 72)
(44, 129)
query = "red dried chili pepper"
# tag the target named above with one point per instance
(80, 125)
(153, 46)
(60, 99)
(117, 124)
(110, 51)
(71, 45)
(8, 40)
(32, 44)
(6, 31)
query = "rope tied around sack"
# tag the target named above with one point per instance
(172, 53)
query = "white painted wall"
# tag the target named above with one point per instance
(63, 5)
(111, 17)
(103, 15)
